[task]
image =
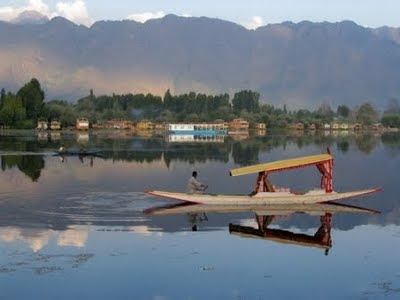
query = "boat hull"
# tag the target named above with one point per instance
(263, 199)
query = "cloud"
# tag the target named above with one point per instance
(8, 13)
(75, 11)
(145, 16)
(254, 23)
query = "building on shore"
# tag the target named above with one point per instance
(55, 125)
(357, 126)
(344, 126)
(312, 127)
(82, 124)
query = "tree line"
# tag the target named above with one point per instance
(28, 105)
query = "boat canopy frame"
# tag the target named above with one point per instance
(323, 162)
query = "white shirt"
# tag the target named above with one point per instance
(194, 186)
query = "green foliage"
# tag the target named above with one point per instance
(12, 112)
(24, 109)
(32, 97)
(343, 111)
(2, 97)
(366, 114)
(246, 100)
(391, 121)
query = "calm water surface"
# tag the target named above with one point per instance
(75, 228)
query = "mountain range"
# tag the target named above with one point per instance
(299, 64)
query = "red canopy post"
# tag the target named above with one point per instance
(326, 169)
(262, 183)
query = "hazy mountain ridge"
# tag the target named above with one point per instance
(301, 64)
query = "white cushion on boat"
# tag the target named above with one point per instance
(272, 194)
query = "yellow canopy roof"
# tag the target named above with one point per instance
(282, 164)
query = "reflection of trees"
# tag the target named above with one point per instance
(343, 145)
(366, 143)
(196, 152)
(246, 152)
(30, 165)
(131, 148)
(391, 142)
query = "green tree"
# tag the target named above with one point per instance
(246, 100)
(366, 114)
(392, 107)
(391, 121)
(343, 111)
(12, 112)
(2, 98)
(32, 97)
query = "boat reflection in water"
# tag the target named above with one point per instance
(193, 138)
(321, 238)
(264, 216)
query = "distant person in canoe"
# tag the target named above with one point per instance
(62, 149)
(195, 186)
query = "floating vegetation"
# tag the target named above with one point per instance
(46, 270)
(6, 270)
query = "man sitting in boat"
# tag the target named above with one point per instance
(195, 186)
(62, 149)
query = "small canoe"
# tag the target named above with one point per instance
(264, 198)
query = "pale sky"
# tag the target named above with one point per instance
(250, 13)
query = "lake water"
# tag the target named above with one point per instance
(74, 228)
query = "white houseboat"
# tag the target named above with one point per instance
(82, 124)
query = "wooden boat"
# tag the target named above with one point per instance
(265, 193)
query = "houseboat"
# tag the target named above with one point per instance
(357, 126)
(344, 126)
(55, 125)
(377, 127)
(296, 126)
(159, 126)
(261, 126)
(326, 126)
(42, 125)
(238, 125)
(197, 128)
(119, 124)
(335, 126)
(145, 125)
(312, 127)
(82, 124)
